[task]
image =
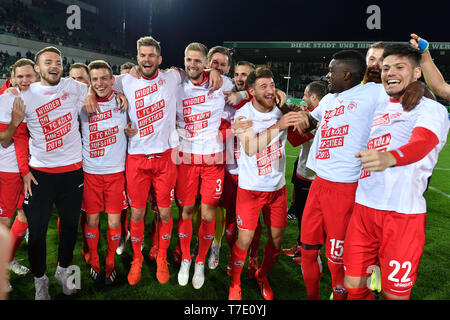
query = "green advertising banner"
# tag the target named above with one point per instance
(318, 45)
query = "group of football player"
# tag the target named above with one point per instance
(148, 138)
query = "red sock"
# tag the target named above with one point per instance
(136, 235)
(17, 233)
(337, 280)
(238, 256)
(91, 236)
(255, 242)
(155, 230)
(205, 238)
(311, 273)
(230, 233)
(185, 236)
(113, 239)
(165, 232)
(270, 257)
(363, 293)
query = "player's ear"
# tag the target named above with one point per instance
(417, 73)
(36, 68)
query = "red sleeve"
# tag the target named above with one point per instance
(225, 130)
(296, 138)
(21, 138)
(5, 86)
(422, 141)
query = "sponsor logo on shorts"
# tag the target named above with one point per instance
(239, 220)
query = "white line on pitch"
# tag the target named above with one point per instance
(439, 191)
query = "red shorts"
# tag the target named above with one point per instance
(273, 205)
(192, 178)
(11, 193)
(230, 186)
(104, 192)
(392, 240)
(156, 170)
(326, 215)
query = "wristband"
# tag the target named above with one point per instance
(423, 45)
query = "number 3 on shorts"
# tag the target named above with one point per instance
(219, 185)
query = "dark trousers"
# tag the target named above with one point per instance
(301, 188)
(65, 190)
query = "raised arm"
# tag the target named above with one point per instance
(431, 73)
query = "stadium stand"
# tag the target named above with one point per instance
(41, 23)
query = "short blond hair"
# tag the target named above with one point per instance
(197, 46)
(100, 64)
(21, 63)
(46, 49)
(148, 41)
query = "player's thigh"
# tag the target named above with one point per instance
(93, 194)
(211, 184)
(114, 193)
(187, 184)
(165, 176)
(11, 193)
(362, 241)
(275, 209)
(138, 181)
(401, 250)
(337, 201)
(248, 206)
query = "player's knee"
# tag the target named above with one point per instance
(354, 282)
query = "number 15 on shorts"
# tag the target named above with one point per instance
(337, 248)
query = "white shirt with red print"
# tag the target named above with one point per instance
(8, 160)
(345, 120)
(199, 115)
(104, 139)
(52, 119)
(264, 171)
(152, 110)
(401, 188)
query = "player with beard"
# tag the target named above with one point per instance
(55, 175)
(201, 167)
(374, 58)
(15, 160)
(261, 184)
(230, 185)
(387, 226)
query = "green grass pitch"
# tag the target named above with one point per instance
(433, 281)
